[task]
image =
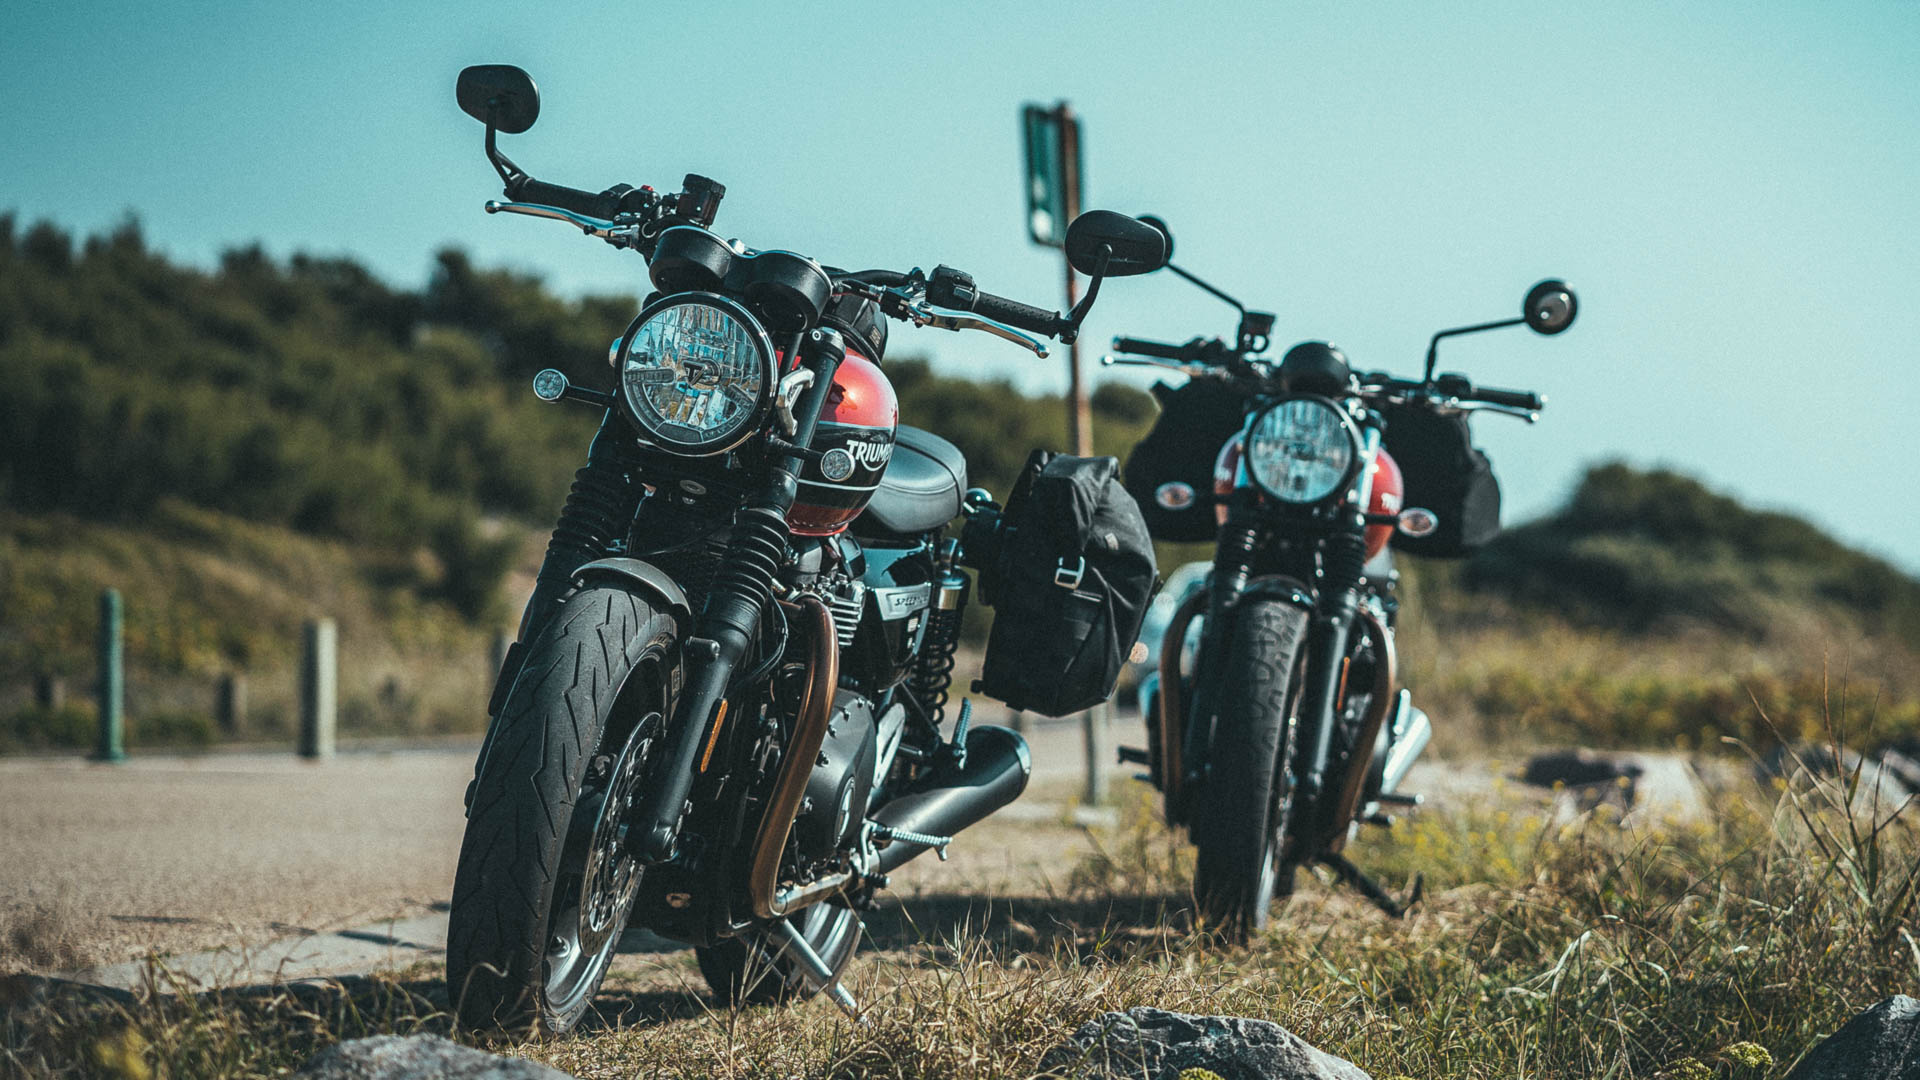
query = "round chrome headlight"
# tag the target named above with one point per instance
(696, 373)
(1301, 450)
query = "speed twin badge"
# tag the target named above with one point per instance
(836, 464)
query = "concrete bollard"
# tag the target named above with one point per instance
(319, 689)
(111, 745)
(1093, 729)
(50, 692)
(230, 703)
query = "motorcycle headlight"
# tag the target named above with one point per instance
(696, 373)
(1301, 450)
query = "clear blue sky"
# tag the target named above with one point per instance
(1731, 188)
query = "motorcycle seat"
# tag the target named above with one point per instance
(920, 491)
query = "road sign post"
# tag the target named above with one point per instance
(1054, 174)
(111, 745)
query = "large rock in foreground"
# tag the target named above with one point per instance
(391, 1057)
(1882, 1043)
(1154, 1044)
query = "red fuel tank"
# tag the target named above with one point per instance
(855, 437)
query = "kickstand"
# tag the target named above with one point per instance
(1350, 874)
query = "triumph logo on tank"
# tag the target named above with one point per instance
(873, 454)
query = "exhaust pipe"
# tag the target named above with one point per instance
(1410, 737)
(949, 800)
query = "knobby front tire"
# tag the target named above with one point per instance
(1238, 817)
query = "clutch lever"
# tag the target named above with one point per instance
(1531, 416)
(1190, 370)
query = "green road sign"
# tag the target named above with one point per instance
(1053, 171)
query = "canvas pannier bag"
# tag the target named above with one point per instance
(1445, 473)
(1195, 421)
(1068, 569)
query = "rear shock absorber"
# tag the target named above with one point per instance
(933, 672)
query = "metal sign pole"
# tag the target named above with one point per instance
(1079, 413)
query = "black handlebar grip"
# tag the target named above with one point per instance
(1142, 347)
(1519, 399)
(605, 206)
(1014, 313)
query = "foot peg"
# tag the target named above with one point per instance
(816, 971)
(1131, 755)
(1350, 874)
(884, 835)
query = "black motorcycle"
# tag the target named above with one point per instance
(1290, 730)
(722, 719)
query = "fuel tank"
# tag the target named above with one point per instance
(855, 438)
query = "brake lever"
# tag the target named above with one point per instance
(1531, 416)
(939, 318)
(620, 236)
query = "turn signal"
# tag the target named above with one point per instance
(1418, 521)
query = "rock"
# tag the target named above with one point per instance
(1882, 1043)
(1881, 791)
(1154, 1044)
(1667, 791)
(1580, 768)
(392, 1057)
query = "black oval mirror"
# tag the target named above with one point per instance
(499, 95)
(1550, 306)
(1130, 246)
(1160, 223)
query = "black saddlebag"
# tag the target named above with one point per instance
(1195, 421)
(1444, 473)
(1068, 568)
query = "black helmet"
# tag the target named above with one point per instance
(1315, 367)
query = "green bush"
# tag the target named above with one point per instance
(36, 727)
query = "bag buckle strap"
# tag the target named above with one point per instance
(1069, 577)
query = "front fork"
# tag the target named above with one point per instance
(727, 627)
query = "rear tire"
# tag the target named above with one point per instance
(544, 884)
(1239, 816)
(742, 974)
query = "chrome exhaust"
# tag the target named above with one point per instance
(951, 799)
(1411, 732)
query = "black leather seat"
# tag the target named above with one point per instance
(920, 491)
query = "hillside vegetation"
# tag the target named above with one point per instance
(241, 448)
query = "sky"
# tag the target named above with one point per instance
(1731, 189)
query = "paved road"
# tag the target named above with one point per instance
(283, 864)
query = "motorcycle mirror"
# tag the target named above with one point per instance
(1550, 306)
(1103, 242)
(1160, 223)
(500, 96)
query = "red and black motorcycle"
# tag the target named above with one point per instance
(722, 720)
(1289, 729)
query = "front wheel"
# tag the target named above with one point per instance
(545, 881)
(1238, 816)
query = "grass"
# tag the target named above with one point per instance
(1722, 947)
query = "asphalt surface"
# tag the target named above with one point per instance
(249, 864)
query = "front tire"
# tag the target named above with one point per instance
(545, 883)
(1239, 816)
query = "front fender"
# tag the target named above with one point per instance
(651, 580)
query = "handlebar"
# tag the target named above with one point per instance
(950, 288)
(1159, 350)
(605, 205)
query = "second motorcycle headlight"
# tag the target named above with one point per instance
(1301, 450)
(696, 374)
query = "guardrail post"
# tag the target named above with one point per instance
(319, 688)
(1093, 727)
(113, 685)
(230, 703)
